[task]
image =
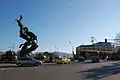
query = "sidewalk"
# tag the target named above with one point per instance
(49, 63)
(7, 62)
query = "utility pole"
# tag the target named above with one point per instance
(57, 47)
(13, 47)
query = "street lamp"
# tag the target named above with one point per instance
(56, 49)
(71, 46)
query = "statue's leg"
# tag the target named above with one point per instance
(24, 48)
(32, 48)
(26, 44)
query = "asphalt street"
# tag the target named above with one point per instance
(74, 71)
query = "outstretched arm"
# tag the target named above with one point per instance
(21, 17)
(20, 22)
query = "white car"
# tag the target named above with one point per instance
(28, 61)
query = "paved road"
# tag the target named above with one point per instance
(75, 71)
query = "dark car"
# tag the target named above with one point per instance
(95, 59)
(71, 58)
(81, 59)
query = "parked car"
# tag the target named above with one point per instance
(58, 61)
(28, 61)
(71, 59)
(66, 61)
(47, 60)
(62, 61)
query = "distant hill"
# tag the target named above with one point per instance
(68, 55)
(1, 52)
(63, 54)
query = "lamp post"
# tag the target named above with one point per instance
(56, 49)
(13, 47)
(72, 47)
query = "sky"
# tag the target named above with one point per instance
(56, 22)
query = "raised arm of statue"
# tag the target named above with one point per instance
(21, 17)
(20, 24)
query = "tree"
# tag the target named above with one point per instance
(9, 55)
(117, 38)
(3, 57)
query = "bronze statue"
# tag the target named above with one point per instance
(30, 37)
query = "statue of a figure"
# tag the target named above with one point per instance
(30, 37)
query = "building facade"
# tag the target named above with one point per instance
(105, 46)
(98, 46)
(96, 49)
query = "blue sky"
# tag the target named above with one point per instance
(56, 22)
